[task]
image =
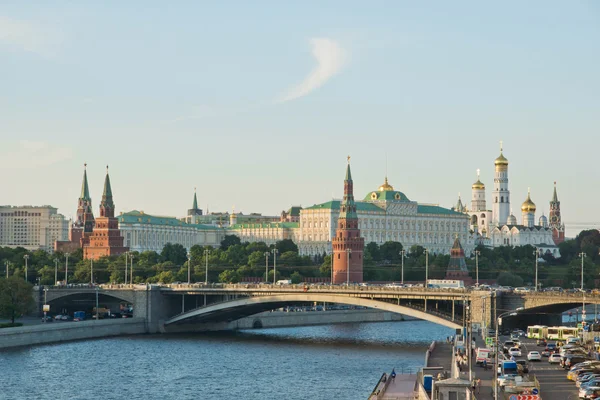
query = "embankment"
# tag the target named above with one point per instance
(65, 331)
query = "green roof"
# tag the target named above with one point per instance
(335, 206)
(85, 190)
(427, 209)
(294, 211)
(138, 217)
(267, 225)
(107, 199)
(386, 195)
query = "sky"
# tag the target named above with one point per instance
(257, 104)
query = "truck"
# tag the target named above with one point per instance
(79, 316)
(484, 355)
(284, 282)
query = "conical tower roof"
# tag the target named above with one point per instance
(85, 190)
(107, 197)
(555, 196)
(195, 204)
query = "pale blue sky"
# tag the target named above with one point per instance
(258, 103)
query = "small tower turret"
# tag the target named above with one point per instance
(528, 211)
(478, 195)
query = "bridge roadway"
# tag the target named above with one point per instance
(200, 303)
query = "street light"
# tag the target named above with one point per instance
(477, 254)
(348, 252)
(26, 257)
(189, 255)
(275, 252)
(126, 257)
(498, 323)
(267, 266)
(402, 254)
(206, 253)
(55, 271)
(67, 268)
(426, 268)
(130, 269)
(6, 263)
(535, 253)
(582, 255)
(97, 288)
(45, 302)
(91, 271)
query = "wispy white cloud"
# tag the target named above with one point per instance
(33, 154)
(28, 36)
(330, 59)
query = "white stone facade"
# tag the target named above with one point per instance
(144, 232)
(31, 227)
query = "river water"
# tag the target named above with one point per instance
(319, 362)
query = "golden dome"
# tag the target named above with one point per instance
(528, 205)
(386, 187)
(478, 185)
(501, 160)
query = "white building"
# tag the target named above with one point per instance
(497, 227)
(32, 227)
(386, 215)
(144, 232)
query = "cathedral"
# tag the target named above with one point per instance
(500, 227)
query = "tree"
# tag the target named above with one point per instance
(372, 249)
(508, 279)
(390, 251)
(16, 298)
(175, 253)
(256, 258)
(230, 240)
(285, 246)
(228, 276)
(296, 277)
(289, 258)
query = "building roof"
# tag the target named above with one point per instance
(294, 211)
(195, 203)
(85, 190)
(433, 209)
(266, 225)
(386, 195)
(107, 199)
(334, 205)
(139, 217)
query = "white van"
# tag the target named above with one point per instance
(284, 282)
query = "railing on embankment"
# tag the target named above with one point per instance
(66, 331)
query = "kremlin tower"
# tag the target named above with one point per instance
(106, 239)
(555, 222)
(501, 194)
(347, 244)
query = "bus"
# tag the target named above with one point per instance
(537, 332)
(561, 332)
(445, 284)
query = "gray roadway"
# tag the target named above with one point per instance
(554, 384)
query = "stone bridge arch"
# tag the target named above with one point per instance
(122, 295)
(240, 308)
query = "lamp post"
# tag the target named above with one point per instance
(91, 271)
(67, 268)
(348, 252)
(6, 263)
(498, 324)
(126, 257)
(97, 288)
(26, 257)
(189, 255)
(45, 302)
(332, 254)
(426, 268)
(55, 271)
(275, 252)
(131, 269)
(402, 255)
(477, 254)
(582, 255)
(206, 253)
(267, 266)
(535, 253)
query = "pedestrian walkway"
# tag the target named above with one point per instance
(401, 387)
(441, 356)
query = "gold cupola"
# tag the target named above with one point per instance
(528, 205)
(501, 160)
(386, 187)
(478, 185)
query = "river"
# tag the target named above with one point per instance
(318, 362)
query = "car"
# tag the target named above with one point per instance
(514, 352)
(541, 342)
(508, 345)
(554, 358)
(589, 393)
(534, 356)
(57, 317)
(523, 366)
(47, 319)
(517, 343)
(514, 336)
(551, 346)
(572, 359)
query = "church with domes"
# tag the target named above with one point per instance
(500, 227)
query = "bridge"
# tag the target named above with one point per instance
(192, 307)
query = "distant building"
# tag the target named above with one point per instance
(457, 266)
(32, 227)
(106, 239)
(291, 215)
(144, 232)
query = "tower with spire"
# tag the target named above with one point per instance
(106, 238)
(501, 194)
(555, 219)
(348, 245)
(194, 212)
(84, 224)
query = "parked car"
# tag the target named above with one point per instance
(534, 356)
(589, 393)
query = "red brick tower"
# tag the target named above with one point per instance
(106, 239)
(347, 244)
(555, 222)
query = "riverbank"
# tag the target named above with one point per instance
(68, 331)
